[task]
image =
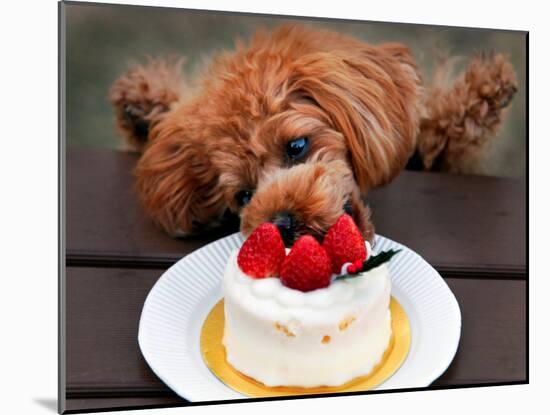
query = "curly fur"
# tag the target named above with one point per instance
(363, 108)
(459, 118)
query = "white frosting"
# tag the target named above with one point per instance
(326, 337)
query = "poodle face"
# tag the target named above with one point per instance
(296, 127)
(293, 128)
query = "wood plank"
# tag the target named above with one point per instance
(103, 310)
(104, 305)
(462, 225)
(494, 332)
(104, 221)
(97, 404)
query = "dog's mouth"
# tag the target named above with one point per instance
(291, 228)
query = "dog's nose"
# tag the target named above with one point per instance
(286, 222)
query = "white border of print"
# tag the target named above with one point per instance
(28, 220)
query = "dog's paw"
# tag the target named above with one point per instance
(137, 119)
(491, 84)
(461, 119)
(142, 96)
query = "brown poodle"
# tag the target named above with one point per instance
(296, 127)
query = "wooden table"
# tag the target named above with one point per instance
(471, 229)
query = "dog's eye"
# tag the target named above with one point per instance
(243, 197)
(297, 148)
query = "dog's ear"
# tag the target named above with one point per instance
(371, 95)
(176, 181)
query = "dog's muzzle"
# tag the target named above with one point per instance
(290, 227)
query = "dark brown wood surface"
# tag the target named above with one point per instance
(104, 305)
(460, 224)
(472, 229)
(86, 404)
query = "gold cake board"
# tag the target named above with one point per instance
(213, 354)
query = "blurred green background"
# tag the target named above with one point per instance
(103, 39)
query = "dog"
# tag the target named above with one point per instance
(295, 127)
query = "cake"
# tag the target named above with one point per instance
(281, 331)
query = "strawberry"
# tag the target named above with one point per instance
(355, 267)
(344, 243)
(263, 252)
(307, 266)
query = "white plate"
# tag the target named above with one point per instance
(176, 307)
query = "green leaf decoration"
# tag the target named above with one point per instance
(373, 262)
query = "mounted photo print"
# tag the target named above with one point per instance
(268, 207)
